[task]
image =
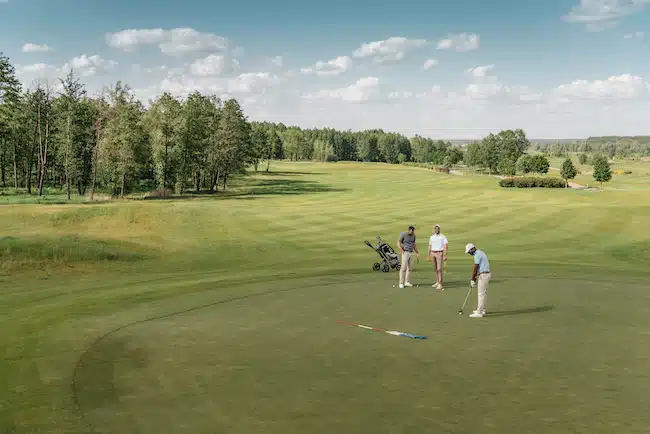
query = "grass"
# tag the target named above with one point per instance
(213, 315)
(638, 180)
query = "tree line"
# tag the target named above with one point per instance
(612, 146)
(66, 139)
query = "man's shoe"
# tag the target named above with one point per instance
(476, 315)
(408, 284)
(401, 285)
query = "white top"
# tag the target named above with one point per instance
(437, 242)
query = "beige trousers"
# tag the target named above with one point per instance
(483, 282)
(405, 270)
(436, 261)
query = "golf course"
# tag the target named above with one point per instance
(221, 313)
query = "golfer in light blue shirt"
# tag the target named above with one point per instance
(481, 271)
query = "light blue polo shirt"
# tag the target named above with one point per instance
(481, 259)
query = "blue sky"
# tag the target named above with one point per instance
(556, 68)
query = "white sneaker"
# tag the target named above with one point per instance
(439, 286)
(401, 285)
(476, 315)
(408, 284)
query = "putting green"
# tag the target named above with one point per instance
(276, 361)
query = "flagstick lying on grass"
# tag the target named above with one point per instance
(390, 332)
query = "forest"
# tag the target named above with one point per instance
(57, 136)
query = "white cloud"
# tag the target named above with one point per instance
(36, 48)
(214, 65)
(278, 61)
(170, 41)
(363, 90)
(334, 67)
(480, 71)
(621, 87)
(396, 95)
(87, 66)
(252, 82)
(461, 42)
(429, 63)
(598, 15)
(245, 84)
(38, 69)
(635, 35)
(391, 49)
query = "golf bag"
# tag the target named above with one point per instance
(389, 259)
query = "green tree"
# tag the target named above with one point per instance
(602, 170)
(582, 159)
(259, 148)
(568, 170)
(123, 147)
(367, 148)
(525, 164)
(539, 164)
(234, 139)
(507, 167)
(275, 148)
(475, 155)
(163, 123)
(71, 128)
(388, 145)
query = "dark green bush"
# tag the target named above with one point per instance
(532, 182)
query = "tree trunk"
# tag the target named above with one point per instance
(165, 164)
(268, 164)
(215, 181)
(98, 126)
(44, 159)
(123, 184)
(3, 162)
(28, 177)
(197, 181)
(15, 168)
(225, 180)
(255, 165)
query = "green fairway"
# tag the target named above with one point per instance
(220, 314)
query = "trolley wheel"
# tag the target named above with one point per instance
(398, 267)
(376, 266)
(385, 268)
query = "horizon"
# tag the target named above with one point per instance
(577, 72)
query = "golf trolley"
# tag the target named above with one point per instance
(389, 259)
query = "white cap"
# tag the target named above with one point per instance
(469, 247)
(437, 226)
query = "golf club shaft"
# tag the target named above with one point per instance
(466, 298)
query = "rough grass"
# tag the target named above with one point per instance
(224, 317)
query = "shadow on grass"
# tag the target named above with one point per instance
(260, 188)
(537, 309)
(272, 173)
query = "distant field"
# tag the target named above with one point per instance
(639, 179)
(219, 314)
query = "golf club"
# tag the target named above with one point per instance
(460, 312)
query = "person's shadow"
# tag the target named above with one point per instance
(536, 309)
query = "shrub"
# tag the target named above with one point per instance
(622, 172)
(532, 182)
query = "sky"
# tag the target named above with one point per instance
(443, 69)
